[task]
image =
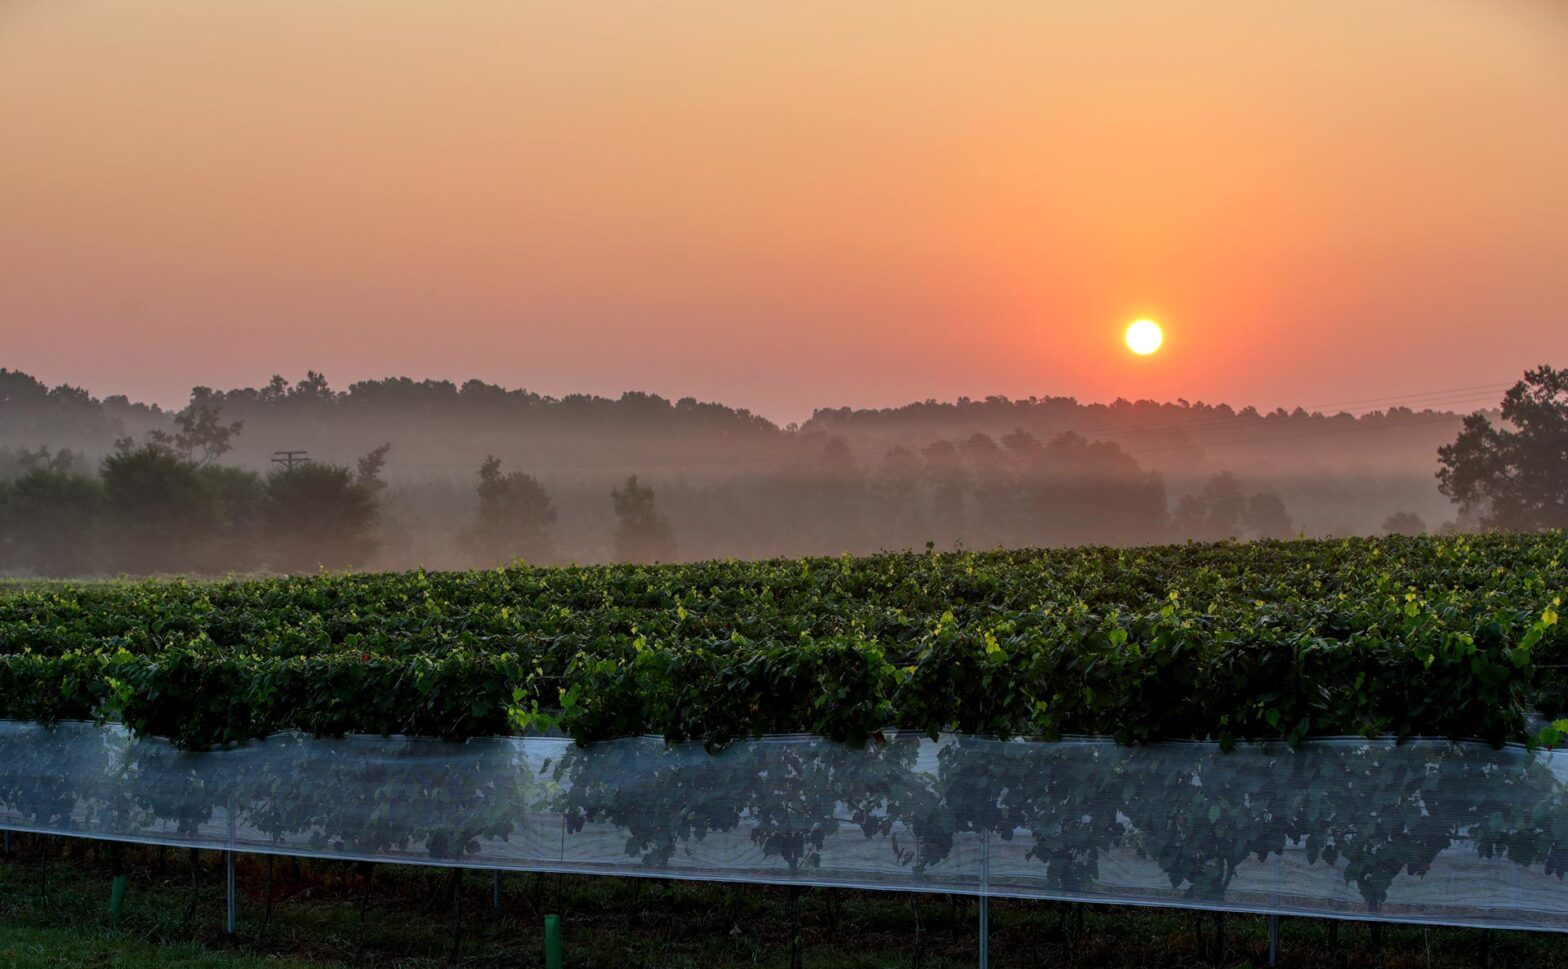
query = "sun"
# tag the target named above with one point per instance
(1144, 337)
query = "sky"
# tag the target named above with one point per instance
(786, 205)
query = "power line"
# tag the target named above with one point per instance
(290, 458)
(1443, 419)
(1451, 390)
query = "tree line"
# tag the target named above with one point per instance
(167, 501)
(1339, 473)
(166, 504)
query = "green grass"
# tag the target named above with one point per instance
(624, 923)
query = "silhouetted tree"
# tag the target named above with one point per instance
(199, 435)
(642, 534)
(236, 544)
(1220, 506)
(515, 516)
(1516, 479)
(1404, 523)
(160, 510)
(31, 411)
(49, 520)
(15, 462)
(319, 515)
(367, 470)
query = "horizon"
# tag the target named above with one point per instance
(1453, 400)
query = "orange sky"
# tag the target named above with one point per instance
(786, 204)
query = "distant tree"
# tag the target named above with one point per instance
(1022, 448)
(836, 458)
(1215, 513)
(642, 534)
(943, 469)
(319, 515)
(49, 520)
(1265, 516)
(514, 520)
(1188, 518)
(236, 545)
(1224, 510)
(44, 459)
(32, 411)
(314, 389)
(893, 494)
(1404, 523)
(199, 434)
(1225, 505)
(812, 505)
(1514, 479)
(368, 468)
(160, 511)
(1077, 491)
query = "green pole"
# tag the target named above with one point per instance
(552, 942)
(117, 900)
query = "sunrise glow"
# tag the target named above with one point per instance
(1144, 337)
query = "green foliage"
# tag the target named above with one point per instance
(1272, 641)
(1452, 637)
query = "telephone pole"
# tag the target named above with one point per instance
(290, 458)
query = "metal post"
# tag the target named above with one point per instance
(985, 901)
(1273, 940)
(231, 916)
(231, 920)
(495, 891)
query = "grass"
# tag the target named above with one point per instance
(54, 912)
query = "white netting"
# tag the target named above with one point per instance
(1427, 831)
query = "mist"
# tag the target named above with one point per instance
(295, 476)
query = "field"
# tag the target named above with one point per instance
(1281, 643)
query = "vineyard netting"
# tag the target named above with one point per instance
(1423, 831)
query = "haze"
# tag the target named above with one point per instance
(785, 206)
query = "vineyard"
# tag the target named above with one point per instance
(1453, 637)
(1144, 725)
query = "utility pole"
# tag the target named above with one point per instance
(290, 458)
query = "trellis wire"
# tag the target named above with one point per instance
(1431, 832)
